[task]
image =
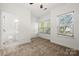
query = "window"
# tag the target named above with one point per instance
(65, 26)
(44, 27)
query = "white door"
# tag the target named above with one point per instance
(8, 28)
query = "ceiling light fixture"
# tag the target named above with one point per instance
(41, 6)
(31, 3)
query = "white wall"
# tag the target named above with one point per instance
(64, 40)
(0, 29)
(24, 16)
(45, 36)
(34, 26)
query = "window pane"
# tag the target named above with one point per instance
(44, 27)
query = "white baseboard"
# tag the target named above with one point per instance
(15, 44)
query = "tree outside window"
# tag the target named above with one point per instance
(44, 27)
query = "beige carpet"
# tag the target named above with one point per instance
(39, 47)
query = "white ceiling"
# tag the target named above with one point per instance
(37, 11)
